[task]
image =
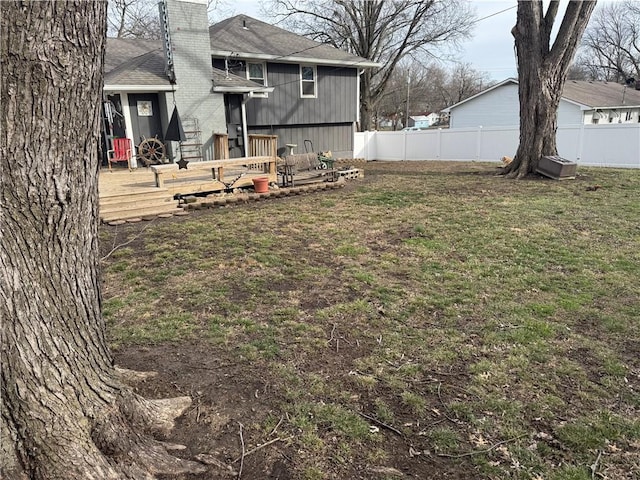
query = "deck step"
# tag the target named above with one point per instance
(128, 203)
(136, 196)
(143, 204)
(139, 212)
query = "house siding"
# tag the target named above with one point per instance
(335, 137)
(501, 108)
(569, 114)
(334, 103)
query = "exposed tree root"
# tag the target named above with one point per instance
(155, 416)
(514, 170)
(211, 460)
(132, 377)
(122, 435)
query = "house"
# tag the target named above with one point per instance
(423, 121)
(146, 80)
(240, 77)
(582, 102)
(315, 86)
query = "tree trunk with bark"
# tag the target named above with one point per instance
(65, 412)
(366, 101)
(542, 72)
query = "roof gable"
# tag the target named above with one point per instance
(586, 94)
(246, 37)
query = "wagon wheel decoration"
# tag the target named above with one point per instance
(151, 151)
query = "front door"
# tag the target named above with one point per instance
(145, 116)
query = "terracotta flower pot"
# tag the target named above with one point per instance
(261, 185)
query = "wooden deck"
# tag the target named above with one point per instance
(143, 193)
(135, 195)
(122, 181)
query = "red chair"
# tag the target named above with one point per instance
(121, 152)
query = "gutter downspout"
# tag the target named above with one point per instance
(358, 97)
(245, 136)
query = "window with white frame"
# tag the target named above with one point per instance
(308, 80)
(257, 72)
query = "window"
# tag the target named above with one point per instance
(308, 76)
(256, 72)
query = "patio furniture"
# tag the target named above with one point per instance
(305, 168)
(121, 152)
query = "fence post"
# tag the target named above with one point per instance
(439, 155)
(367, 140)
(580, 143)
(404, 146)
(479, 142)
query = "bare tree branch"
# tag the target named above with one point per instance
(610, 49)
(381, 31)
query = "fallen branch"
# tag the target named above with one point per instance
(594, 466)
(276, 427)
(381, 424)
(117, 247)
(253, 450)
(478, 452)
(338, 338)
(243, 453)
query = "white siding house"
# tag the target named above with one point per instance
(423, 121)
(581, 103)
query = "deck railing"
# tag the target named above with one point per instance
(263, 145)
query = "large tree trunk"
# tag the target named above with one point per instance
(366, 101)
(542, 72)
(65, 413)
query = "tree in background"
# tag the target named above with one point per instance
(380, 31)
(460, 83)
(610, 48)
(428, 89)
(133, 19)
(542, 73)
(139, 18)
(65, 411)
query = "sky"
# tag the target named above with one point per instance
(490, 49)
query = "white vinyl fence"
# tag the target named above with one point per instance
(615, 145)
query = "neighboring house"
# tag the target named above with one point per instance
(315, 86)
(295, 88)
(582, 102)
(423, 121)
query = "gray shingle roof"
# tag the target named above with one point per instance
(600, 94)
(134, 62)
(250, 38)
(141, 63)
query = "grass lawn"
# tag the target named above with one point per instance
(429, 321)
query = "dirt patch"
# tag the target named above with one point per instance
(228, 391)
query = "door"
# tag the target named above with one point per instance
(145, 116)
(233, 112)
